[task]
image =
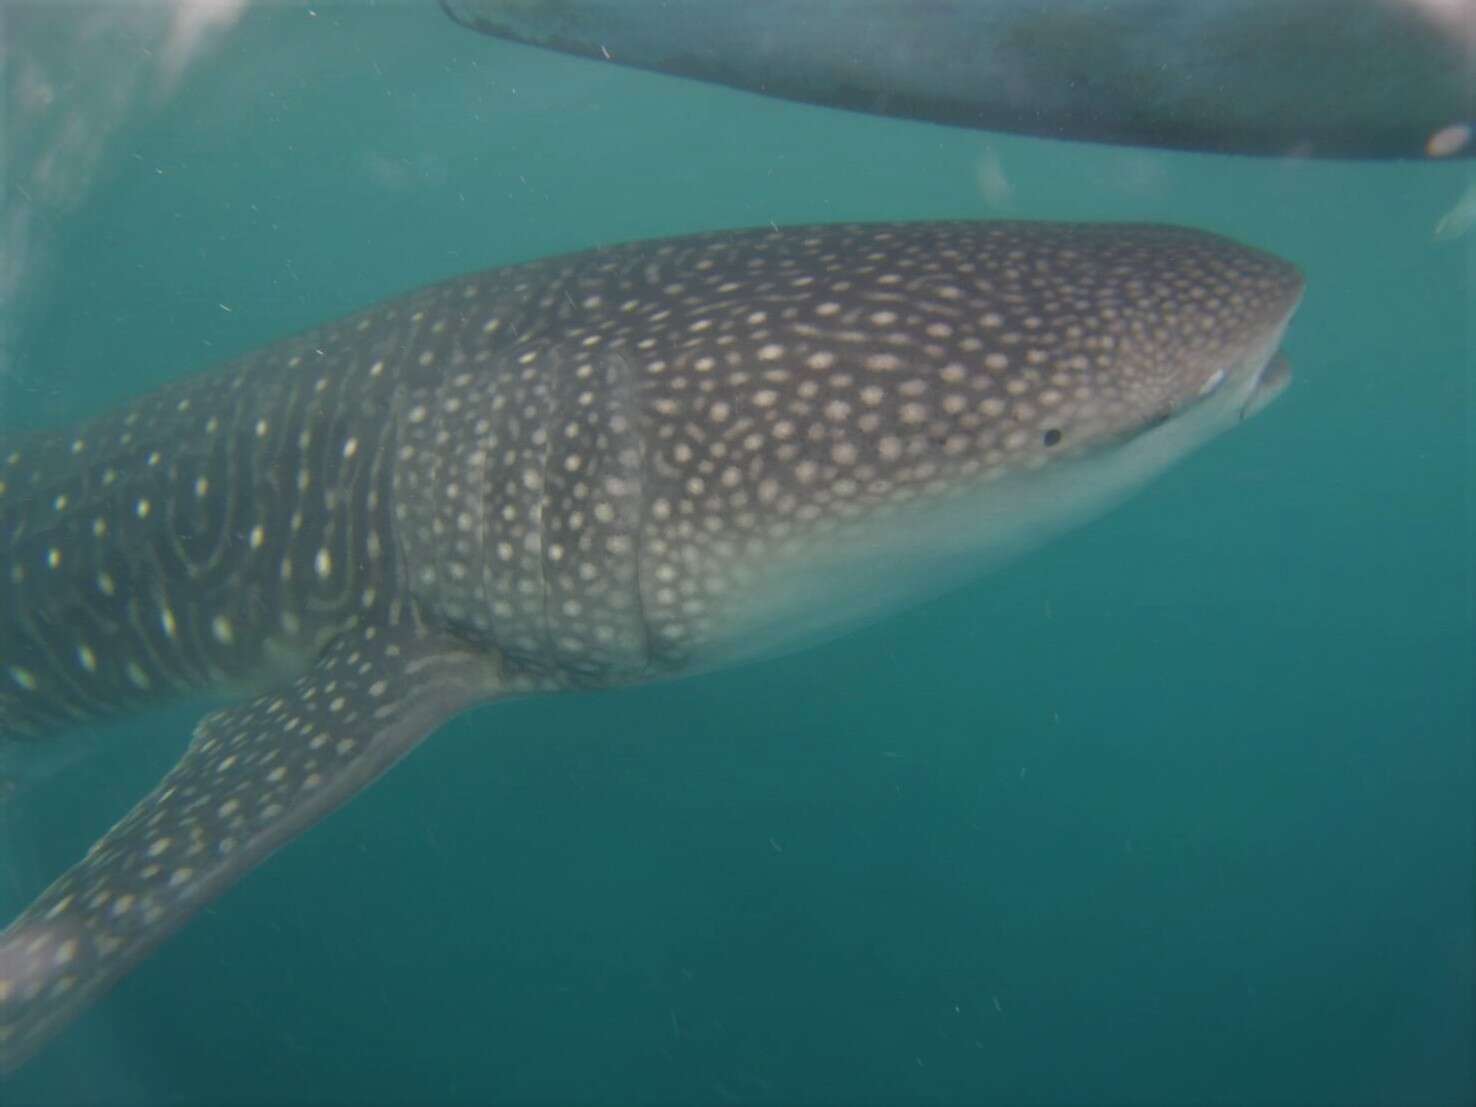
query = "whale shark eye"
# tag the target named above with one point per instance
(1051, 437)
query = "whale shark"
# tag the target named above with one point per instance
(616, 466)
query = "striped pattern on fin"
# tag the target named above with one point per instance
(254, 777)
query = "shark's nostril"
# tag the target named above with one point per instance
(1270, 383)
(1276, 373)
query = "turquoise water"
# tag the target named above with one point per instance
(1177, 809)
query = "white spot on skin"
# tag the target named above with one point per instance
(323, 564)
(23, 677)
(166, 620)
(221, 628)
(86, 658)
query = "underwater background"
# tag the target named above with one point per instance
(1177, 809)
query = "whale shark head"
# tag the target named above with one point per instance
(838, 419)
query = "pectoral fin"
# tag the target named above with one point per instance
(254, 777)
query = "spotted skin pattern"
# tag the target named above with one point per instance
(578, 472)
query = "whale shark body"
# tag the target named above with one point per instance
(585, 471)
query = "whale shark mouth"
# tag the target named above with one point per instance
(1271, 382)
